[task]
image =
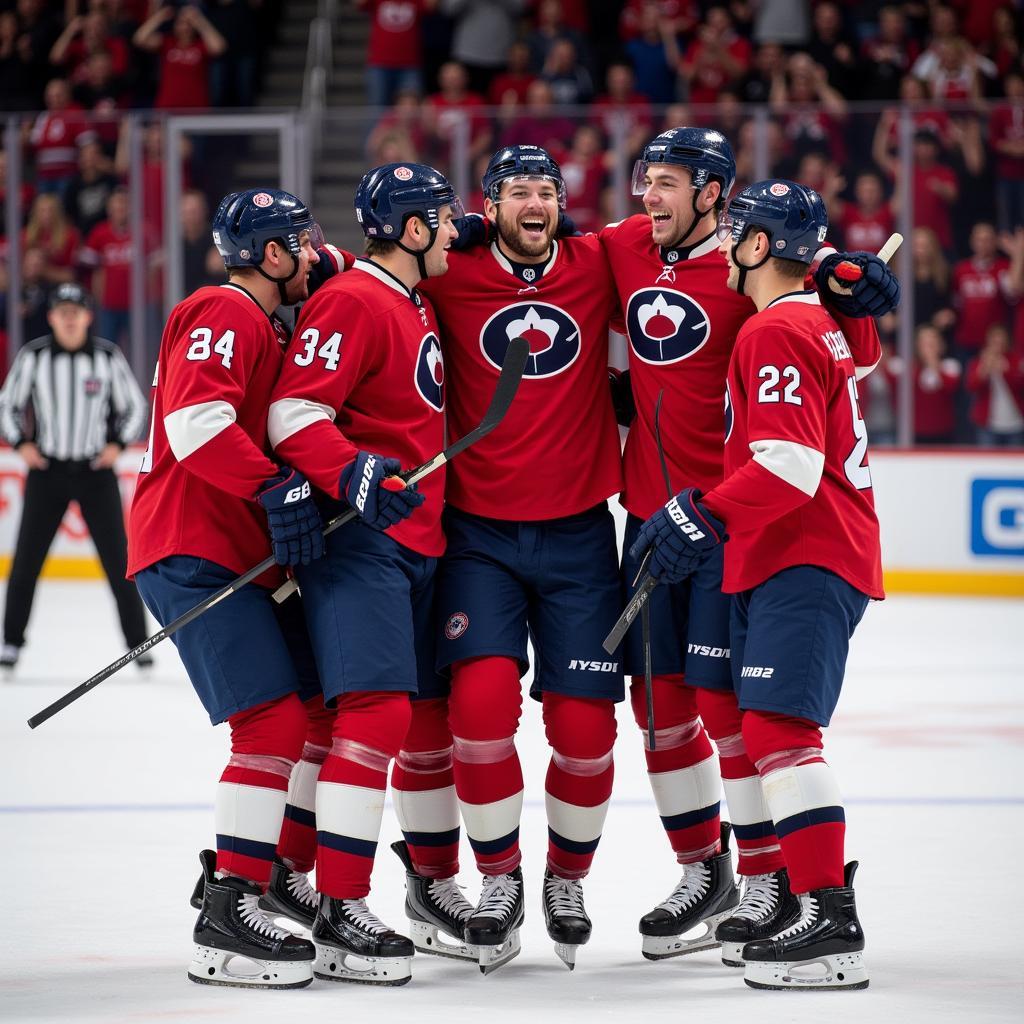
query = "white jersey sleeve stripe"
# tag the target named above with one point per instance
(860, 372)
(190, 428)
(798, 465)
(288, 416)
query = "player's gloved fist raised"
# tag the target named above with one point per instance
(874, 293)
(365, 484)
(296, 534)
(474, 230)
(332, 261)
(681, 534)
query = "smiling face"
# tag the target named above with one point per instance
(668, 199)
(526, 215)
(436, 257)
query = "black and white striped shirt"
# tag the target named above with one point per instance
(71, 404)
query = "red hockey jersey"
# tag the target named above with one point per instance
(797, 487)
(219, 357)
(557, 451)
(365, 372)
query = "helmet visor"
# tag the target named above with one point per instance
(315, 233)
(521, 186)
(642, 169)
(732, 224)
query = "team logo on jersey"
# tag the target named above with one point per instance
(553, 335)
(728, 411)
(664, 325)
(430, 372)
(262, 199)
(456, 625)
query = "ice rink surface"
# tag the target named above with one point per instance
(103, 809)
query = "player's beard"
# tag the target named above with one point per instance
(515, 240)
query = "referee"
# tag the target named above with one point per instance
(69, 405)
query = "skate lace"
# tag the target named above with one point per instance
(759, 897)
(564, 897)
(447, 894)
(498, 896)
(363, 917)
(256, 919)
(808, 916)
(692, 886)
(298, 885)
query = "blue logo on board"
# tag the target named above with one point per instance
(997, 517)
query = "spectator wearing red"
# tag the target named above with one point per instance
(53, 137)
(623, 109)
(867, 222)
(936, 382)
(104, 96)
(185, 55)
(110, 252)
(395, 54)
(678, 16)
(49, 231)
(453, 106)
(889, 55)
(152, 171)
(83, 36)
(995, 381)
(982, 290)
(1006, 139)
(510, 85)
(583, 171)
(976, 18)
(653, 52)
(716, 58)
(812, 111)
(1003, 46)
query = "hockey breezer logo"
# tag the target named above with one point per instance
(594, 666)
(364, 484)
(554, 337)
(708, 652)
(430, 372)
(665, 325)
(456, 625)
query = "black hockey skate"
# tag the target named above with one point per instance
(353, 944)
(237, 944)
(437, 911)
(822, 949)
(289, 895)
(686, 921)
(766, 908)
(565, 916)
(494, 926)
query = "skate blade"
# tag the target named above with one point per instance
(427, 938)
(566, 952)
(732, 954)
(211, 966)
(700, 937)
(334, 964)
(836, 971)
(490, 958)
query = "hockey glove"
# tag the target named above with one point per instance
(296, 534)
(874, 293)
(332, 261)
(566, 226)
(474, 230)
(622, 396)
(682, 535)
(379, 502)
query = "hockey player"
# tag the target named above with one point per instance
(531, 546)
(802, 560)
(360, 395)
(205, 496)
(681, 320)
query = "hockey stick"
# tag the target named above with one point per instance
(850, 272)
(648, 583)
(508, 383)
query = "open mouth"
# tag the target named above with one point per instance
(533, 225)
(659, 217)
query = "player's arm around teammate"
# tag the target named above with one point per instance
(359, 397)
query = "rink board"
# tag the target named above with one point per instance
(952, 521)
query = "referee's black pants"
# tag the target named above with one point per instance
(47, 494)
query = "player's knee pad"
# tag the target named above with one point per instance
(675, 710)
(780, 741)
(580, 731)
(275, 729)
(429, 729)
(370, 727)
(486, 699)
(721, 715)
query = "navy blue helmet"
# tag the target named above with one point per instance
(793, 216)
(705, 152)
(246, 221)
(523, 162)
(388, 196)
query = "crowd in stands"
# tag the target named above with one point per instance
(810, 89)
